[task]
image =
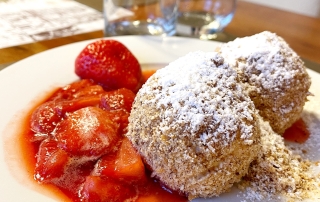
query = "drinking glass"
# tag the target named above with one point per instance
(140, 17)
(204, 18)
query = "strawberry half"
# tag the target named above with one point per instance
(111, 64)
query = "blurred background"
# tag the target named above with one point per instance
(28, 27)
(305, 7)
(27, 21)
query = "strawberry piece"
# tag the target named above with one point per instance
(89, 131)
(71, 105)
(129, 164)
(89, 91)
(111, 64)
(96, 189)
(72, 90)
(45, 118)
(119, 103)
(51, 161)
(117, 99)
(121, 116)
(126, 165)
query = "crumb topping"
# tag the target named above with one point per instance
(278, 172)
(271, 62)
(195, 126)
(273, 74)
(199, 88)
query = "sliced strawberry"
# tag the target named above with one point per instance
(97, 189)
(111, 64)
(68, 92)
(105, 166)
(126, 165)
(119, 103)
(117, 99)
(89, 91)
(51, 161)
(45, 118)
(121, 117)
(89, 131)
(71, 105)
(129, 164)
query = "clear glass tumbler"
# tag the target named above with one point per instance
(140, 17)
(204, 18)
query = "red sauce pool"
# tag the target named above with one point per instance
(153, 191)
(28, 152)
(298, 132)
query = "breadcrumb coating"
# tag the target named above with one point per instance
(279, 172)
(195, 126)
(273, 75)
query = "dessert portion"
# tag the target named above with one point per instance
(195, 126)
(273, 75)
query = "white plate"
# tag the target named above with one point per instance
(25, 82)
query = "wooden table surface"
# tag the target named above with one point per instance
(301, 32)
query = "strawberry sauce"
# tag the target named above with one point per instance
(298, 132)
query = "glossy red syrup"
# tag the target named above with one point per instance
(298, 132)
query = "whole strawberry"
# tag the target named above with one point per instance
(111, 64)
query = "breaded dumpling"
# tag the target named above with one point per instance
(194, 125)
(273, 75)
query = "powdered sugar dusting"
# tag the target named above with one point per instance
(288, 171)
(185, 85)
(279, 174)
(273, 74)
(265, 56)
